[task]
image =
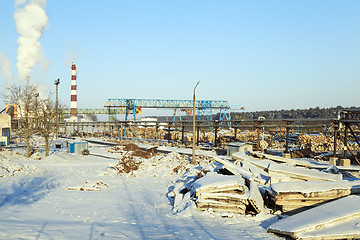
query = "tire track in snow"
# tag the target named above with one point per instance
(133, 210)
(192, 230)
(161, 229)
(159, 217)
(201, 226)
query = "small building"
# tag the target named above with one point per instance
(5, 128)
(81, 148)
(237, 147)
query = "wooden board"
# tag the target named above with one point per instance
(234, 197)
(236, 188)
(335, 193)
(255, 198)
(217, 206)
(212, 204)
(300, 203)
(84, 189)
(237, 170)
(317, 218)
(294, 172)
(224, 209)
(227, 201)
(311, 188)
(295, 208)
(281, 159)
(345, 230)
(280, 198)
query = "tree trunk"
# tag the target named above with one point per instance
(47, 146)
(27, 139)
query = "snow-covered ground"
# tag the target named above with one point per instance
(35, 202)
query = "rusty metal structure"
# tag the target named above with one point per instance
(346, 128)
(346, 119)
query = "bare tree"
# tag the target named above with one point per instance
(46, 121)
(36, 115)
(24, 96)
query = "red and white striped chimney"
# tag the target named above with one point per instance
(73, 103)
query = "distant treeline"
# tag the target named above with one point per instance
(290, 114)
(275, 114)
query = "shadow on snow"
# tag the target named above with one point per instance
(26, 191)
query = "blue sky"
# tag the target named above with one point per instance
(263, 55)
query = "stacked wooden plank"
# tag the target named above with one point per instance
(291, 196)
(339, 219)
(221, 193)
(285, 170)
(282, 159)
(249, 172)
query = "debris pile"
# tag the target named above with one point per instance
(88, 186)
(136, 161)
(164, 165)
(134, 150)
(9, 168)
(127, 164)
(37, 156)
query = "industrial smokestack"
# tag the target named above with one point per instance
(31, 21)
(73, 103)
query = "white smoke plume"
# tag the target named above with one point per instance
(31, 21)
(5, 65)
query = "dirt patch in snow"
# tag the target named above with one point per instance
(131, 147)
(136, 151)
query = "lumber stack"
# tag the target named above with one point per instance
(322, 143)
(283, 170)
(221, 193)
(338, 219)
(292, 196)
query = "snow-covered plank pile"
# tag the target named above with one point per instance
(281, 159)
(221, 193)
(289, 196)
(283, 170)
(246, 170)
(339, 219)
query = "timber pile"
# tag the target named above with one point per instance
(339, 219)
(322, 143)
(286, 172)
(221, 193)
(291, 196)
(281, 159)
(227, 194)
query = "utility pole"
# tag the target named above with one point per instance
(57, 82)
(193, 145)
